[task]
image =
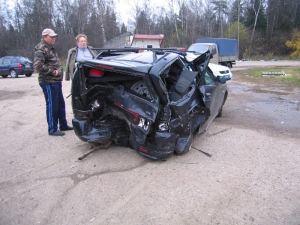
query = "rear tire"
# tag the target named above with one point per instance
(186, 148)
(229, 65)
(13, 74)
(28, 75)
(220, 113)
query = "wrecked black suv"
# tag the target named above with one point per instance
(154, 101)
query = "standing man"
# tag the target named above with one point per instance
(47, 63)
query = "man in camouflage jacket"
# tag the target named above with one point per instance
(47, 63)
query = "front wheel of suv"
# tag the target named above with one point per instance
(28, 74)
(220, 113)
(13, 74)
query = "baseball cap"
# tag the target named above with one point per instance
(49, 32)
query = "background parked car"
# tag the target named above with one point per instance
(220, 70)
(15, 66)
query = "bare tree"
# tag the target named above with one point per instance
(221, 9)
(256, 6)
(196, 22)
(181, 21)
(209, 18)
(174, 16)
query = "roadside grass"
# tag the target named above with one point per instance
(271, 57)
(292, 75)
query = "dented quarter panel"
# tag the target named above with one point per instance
(135, 104)
(189, 113)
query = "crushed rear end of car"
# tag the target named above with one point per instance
(147, 101)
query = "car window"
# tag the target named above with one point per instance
(24, 60)
(209, 77)
(1, 60)
(198, 48)
(14, 60)
(6, 61)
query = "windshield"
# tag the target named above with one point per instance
(198, 48)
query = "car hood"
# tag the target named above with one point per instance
(218, 67)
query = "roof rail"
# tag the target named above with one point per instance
(108, 51)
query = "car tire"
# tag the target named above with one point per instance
(4, 76)
(229, 65)
(186, 149)
(220, 113)
(13, 74)
(28, 74)
(141, 88)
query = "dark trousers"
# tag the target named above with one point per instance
(55, 106)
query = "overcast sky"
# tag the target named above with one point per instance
(125, 7)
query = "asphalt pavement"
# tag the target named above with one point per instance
(252, 177)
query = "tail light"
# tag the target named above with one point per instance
(143, 150)
(163, 126)
(141, 122)
(105, 67)
(94, 73)
(19, 65)
(164, 118)
(135, 115)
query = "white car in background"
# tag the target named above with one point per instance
(220, 70)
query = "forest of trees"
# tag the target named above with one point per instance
(264, 28)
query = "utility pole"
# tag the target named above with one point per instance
(239, 28)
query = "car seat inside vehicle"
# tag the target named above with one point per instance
(181, 87)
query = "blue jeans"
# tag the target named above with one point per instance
(55, 106)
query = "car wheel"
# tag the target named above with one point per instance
(229, 65)
(185, 147)
(28, 74)
(13, 74)
(141, 88)
(220, 112)
(185, 150)
(4, 76)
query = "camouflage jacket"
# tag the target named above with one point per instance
(46, 61)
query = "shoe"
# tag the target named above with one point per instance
(57, 133)
(66, 128)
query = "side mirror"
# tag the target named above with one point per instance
(222, 79)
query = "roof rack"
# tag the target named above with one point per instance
(113, 51)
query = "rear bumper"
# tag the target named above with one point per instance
(159, 147)
(28, 70)
(101, 134)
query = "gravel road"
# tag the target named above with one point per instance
(253, 176)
